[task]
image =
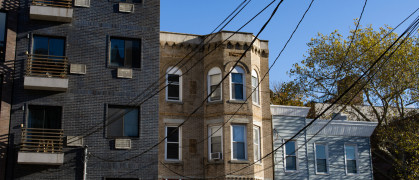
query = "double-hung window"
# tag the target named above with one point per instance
(291, 156)
(214, 78)
(172, 145)
(239, 150)
(215, 142)
(125, 52)
(321, 158)
(256, 143)
(122, 121)
(351, 159)
(174, 84)
(255, 87)
(237, 84)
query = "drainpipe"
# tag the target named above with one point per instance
(85, 163)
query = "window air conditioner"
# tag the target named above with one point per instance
(126, 7)
(77, 69)
(124, 73)
(76, 141)
(82, 3)
(122, 143)
(216, 156)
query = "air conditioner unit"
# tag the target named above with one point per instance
(216, 156)
(122, 143)
(77, 69)
(126, 7)
(124, 73)
(75, 141)
(82, 3)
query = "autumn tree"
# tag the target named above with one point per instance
(333, 62)
(287, 93)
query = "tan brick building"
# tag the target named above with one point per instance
(239, 130)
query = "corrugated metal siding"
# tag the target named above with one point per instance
(289, 110)
(342, 128)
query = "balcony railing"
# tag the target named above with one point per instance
(53, 3)
(47, 66)
(42, 140)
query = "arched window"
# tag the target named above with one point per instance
(255, 87)
(214, 78)
(237, 84)
(174, 84)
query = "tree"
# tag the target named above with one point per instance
(330, 66)
(287, 93)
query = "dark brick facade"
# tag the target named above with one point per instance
(84, 103)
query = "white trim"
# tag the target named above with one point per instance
(356, 159)
(214, 71)
(209, 141)
(173, 121)
(238, 70)
(245, 142)
(180, 144)
(257, 92)
(240, 120)
(296, 156)
(326, 151)
(176, 71)
(256, 159)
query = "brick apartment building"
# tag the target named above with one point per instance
(247, 133)
(80, 65)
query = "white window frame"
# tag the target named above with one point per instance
(259, 145)
(175, 71)
(214, 71)
(356, 159)
(296, 156)
(326, 151)
(180, 143)
(238, 70)
(209, 141)
(256, 93)
(245, 142)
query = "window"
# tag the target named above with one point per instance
(123, 121)
(125, 53)
(214, 78)
(239, 142)
(45, 117)
(52, 46)
(256, 142)
(290, 156)
(255, 87)
(173, 149)
(321, 158)
(351, 159)
(215, 142)
(237, 82)
(174, 84)
(3, 29)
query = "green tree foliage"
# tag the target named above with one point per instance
(287, 93)
(393, 88)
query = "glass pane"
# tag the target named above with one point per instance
(238, 150)
(320, 151)
(290, 148)
(117, 52)
(216, 95)
(136, 54)
(256, 150)
(321, 165)
(350, 152)
(254, 81)
(256, 135)
(48, 117)
(215, 79)
(173, 92)
(52, 117)
(40, 45)
(172, 151)
(173, 79)
(115, 122)
(351, 166)
(290, 163)
(215, 144)
(217, 133)
(131, 123)
(238, 91)
(35, 117)
(237, 78)
(172, 134)
(2, 28)
(238, 133)
(56, 46)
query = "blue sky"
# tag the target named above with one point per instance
(201, 17)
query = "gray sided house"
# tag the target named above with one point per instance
(83, 68)
(339, 151)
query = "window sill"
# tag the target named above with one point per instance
(233, 101)
(291, 171)
(235, 161)
(173, 162)
(214, 102)
(174, 102)
(216, 161)
(257, 105)
(322, 174)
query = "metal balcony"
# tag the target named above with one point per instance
(52, 10)
(46, 72)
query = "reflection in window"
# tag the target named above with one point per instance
(239, 142)
(290, 156)
(45, 117)
(256, 143)
(237, 82)
(125, 53)
(255, 87)
(216, 138)
(351, 161)
(214, 76)
(122, 121)
(52, 46)
(321, 158)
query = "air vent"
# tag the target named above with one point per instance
(216, 156)
(77, 69)
(122, 143)
(126, 7)
(76, 141)
(82, 3)
(124, 73)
